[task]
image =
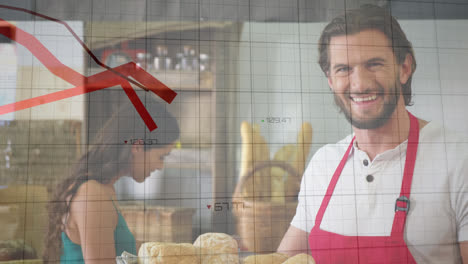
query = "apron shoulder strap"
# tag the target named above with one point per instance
(331, 186)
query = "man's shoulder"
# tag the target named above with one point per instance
(324, 162)
(443, 142)
(338, 148)
(436, 132)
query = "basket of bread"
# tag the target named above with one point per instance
(17, 251)
(268, 188)
(209, 248)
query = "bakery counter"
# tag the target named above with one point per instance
(208, 248)
(158, 223)
(23, 218)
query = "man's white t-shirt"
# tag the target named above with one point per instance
(438, 217)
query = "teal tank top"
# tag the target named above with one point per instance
(124, 241)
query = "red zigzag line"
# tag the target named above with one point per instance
(110, 77)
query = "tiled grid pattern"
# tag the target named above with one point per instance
(275, 73)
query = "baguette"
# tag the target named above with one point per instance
(304, 141)
(262, 178)
(279, 175)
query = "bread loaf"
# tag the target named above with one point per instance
(217, 248)
(274, 258)
(167, 253)
(300, 259)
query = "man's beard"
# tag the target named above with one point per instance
(390, 104)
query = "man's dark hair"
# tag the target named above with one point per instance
(369, 17)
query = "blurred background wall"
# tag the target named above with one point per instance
(230, 61)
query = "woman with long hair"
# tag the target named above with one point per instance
(85, 224)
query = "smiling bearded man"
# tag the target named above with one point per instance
(389, 106)
(378, 195)
(391, 98)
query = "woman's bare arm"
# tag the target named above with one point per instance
(464, 251)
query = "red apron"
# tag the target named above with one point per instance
(327, 247)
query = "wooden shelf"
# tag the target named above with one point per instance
(178, 80)
(186, 80)
(108, 34)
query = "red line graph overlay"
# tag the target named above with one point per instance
(83, 84)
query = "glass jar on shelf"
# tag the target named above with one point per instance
(204, 62)
(161, 61)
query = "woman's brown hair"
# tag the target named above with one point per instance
(107, 156)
